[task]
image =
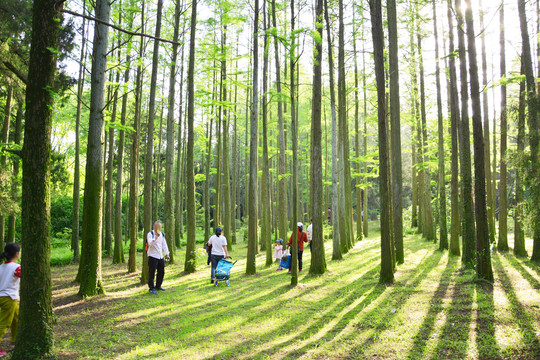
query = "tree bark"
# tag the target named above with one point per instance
(483, 251)
(90, 265)
(36, 316)
(357, 188)
(266, 228)
(3, 159)
(519, 233)
(15, 174)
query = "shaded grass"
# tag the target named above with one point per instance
(433, 310)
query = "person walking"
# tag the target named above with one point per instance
(301, 239)
(157, 246)
(309, 232)
(218, 242)
(10, 279)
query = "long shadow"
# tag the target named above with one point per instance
(519, 267)
(452, 342)
(486, 342)
(520, 313)
(402, 294)
(435, 307)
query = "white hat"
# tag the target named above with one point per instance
(300, 224)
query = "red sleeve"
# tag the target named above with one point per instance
(304, 235)
(18, 272)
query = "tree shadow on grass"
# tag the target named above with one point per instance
(452, 343)
(520, 312)
(398, 297)
(486, 342)
(435, 307)
(517, 264)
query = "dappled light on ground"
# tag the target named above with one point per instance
(434, 310)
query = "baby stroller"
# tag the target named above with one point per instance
(223, 271)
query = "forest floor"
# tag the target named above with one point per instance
(434, 310)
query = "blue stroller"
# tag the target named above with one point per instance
(223, 271)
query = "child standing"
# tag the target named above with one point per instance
(10, 278)
(278, 253)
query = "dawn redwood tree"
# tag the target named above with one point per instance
(519, 233)
(443, 235)
(483, 251)
(336, 248)
(395, 131)
(4, 138)
(502, 244)
(36, 318)
(190, 262)
(318, 262)
(251, 266)
(90, 265)
(454, 120)
(533, 121)
(10, 237)
(387, 273)
(468, 227)
(149, 157)
(357, 189)
(169, 162)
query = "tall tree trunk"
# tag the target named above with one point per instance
(15, 174)
(395, 132)
(519, 233)
(169, 162)
(534, 135)
(134, 170)
(118, 253)
(386, 273)
(502, 244)
(149, 157)
(454, 120)
(443, 235)
(76, 171)
(36, 316)
(487, 152)
(178, 223)
(318, 262)
(266, 181)
(364, 86)
(468, 228)
(357, 189)
(3, 159)
(191, 258)
(483, 251)
(235, 152)
(90, 265)
(251, 267)
(336, 248)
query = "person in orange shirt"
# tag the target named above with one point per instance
(302, 238)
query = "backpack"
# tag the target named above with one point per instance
(146, 241)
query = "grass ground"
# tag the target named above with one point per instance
(435, 310)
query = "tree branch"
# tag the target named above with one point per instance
(17, 72)
(120, 29)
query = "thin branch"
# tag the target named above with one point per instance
(120, 29)
(17, 72)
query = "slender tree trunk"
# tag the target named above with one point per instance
(519, 233)
(191, 258)
(336, 248)
(468, 228)
(357, 189)
(318, 262)
(149, 157)
(15, 174)
(266, 228)
(454, 120)
(483, 251)
(443, 235)
(3, 159)
(178, 224)
(36, 316)
(76, 171)
(387, 273)
(395, 132)
(235, 153)
(364, 86)
(134, 170)
(251, 267)
(534, 135)
(90, 265)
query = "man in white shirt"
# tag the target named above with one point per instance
(309, 232)
(157, 246)
(219, 250)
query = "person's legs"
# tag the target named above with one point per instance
(7, 312)
(160, 272)
(215, 261)
(300, 252)
(152, 265)
(14, 322)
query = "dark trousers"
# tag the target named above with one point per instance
(300, 252)
(215, 260)
(153, 265)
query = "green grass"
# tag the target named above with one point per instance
(435, 310)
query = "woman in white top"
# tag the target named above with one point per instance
(10, 279)
(219, 250)
(157, 246)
